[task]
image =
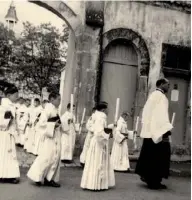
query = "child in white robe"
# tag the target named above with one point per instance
(34, 118)
(46, 167)
(120, 153)
(69, 135)
(23, 121)
(89, 127)
(98, 173)
(20, 107)
(9, 165)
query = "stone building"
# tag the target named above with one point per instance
(118, 49)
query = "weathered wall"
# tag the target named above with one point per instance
(155, 24)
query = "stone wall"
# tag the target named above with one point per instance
(156, 25)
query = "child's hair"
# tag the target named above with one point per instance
(69, 105)
(125, 114)
(45, 101)
(53, 95)
(102, 105)
(94, 109)
(36, 100)
(11, 90)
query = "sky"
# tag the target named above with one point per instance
(27, 11)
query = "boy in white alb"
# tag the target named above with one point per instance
(120, 153)
(69, 135)
(46, 167)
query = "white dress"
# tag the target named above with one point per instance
(89, 127)
(9, 165)
(47, 164)
(68, 137)
(98, 173)
(120, 152)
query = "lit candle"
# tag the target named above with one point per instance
(117, 109)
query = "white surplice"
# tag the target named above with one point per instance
(47, 164)
(120, 152)
(155, 117)
(68, 137)
(9, 165)
(89, 136)
(98, 173)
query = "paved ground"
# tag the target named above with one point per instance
(128, 186)
(177, 168)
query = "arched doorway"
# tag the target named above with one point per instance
(119, 77)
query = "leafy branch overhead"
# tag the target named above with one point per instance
(39, 55)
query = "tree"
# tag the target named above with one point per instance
(7, 39)
(39, 57)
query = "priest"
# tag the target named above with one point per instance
(154, 161)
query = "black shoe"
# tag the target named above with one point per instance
(38, 184)
(54, 184)
(143, 179)
(162, 186)
(158, 186)
(12, 180)
(51, 183)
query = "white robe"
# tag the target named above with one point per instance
(89, 127)
(98, 173)
(120, 153)
(22, 121)
(31, 139)
(68, 137)
(155, 117)
(47, 164)
(9, 165)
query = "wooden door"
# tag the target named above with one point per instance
(119, 78)
(179, 107)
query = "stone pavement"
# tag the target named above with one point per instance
(128, 187)
(182, 169)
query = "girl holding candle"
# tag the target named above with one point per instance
(98, 172)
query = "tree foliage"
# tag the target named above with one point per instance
(39, 57)
(5, 47)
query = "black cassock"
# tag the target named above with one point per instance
(154, 160)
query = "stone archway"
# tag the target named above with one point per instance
(62, 10)
(137, 41)
(74, 22)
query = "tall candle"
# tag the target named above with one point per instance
(83, 116)
(117, 109)
(72, 100)
(137, 124)
(173, 119)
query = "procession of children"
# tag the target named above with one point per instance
(40, 130)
